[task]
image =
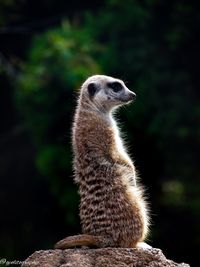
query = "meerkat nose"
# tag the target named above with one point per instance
(132, 95)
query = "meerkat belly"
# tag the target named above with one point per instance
(108, 210)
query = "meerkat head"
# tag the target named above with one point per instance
(106, 93)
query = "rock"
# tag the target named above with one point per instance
(105, 257)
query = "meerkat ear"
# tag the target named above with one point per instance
(92, 89)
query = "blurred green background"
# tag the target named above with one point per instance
(47, 49)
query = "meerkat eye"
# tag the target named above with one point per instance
(115, 86)
(92, 89)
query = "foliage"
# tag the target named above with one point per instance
(58, 61)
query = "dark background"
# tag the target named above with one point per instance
(47, 49)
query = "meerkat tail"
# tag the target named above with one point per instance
(82, 240)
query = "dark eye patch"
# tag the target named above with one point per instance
(115, 86)
(92, 89)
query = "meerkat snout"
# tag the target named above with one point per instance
(133, 95)
(130, 96)
(126, 95)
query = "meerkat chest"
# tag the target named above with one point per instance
(119, 149)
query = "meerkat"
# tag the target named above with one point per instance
(113, 210)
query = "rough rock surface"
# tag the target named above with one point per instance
(106, 257)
